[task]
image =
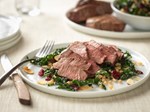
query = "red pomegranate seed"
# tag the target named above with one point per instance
(41, 72)
(115, 74)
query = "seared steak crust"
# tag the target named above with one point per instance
(88, 8)
(106, 22)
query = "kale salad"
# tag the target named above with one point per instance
(105, 76)
(135, 7)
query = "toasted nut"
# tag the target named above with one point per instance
(136, 78)
(51, 82)
(130, 81)
(69, 82)
(114, 80)
(105, 82)
(50, 65)
(118, 64)
(57, 57)
(120, 71)
(118, 68)
(101, 86)
(111, 87)
(45, 66)
(86, 87)
(42, 82)
(27, 70)
(103, 79)
(119, 81)
(110, 82)
(100, 76)
(138, 63)
(122, 10)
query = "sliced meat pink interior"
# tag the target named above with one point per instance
(79, 48)
(72, 72)
(83, 59)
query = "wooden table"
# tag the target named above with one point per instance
(50, 25)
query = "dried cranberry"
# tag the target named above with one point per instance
(48, 78)
(116, 74)
(139, 72)
(75, 87)
(141, 6)
(41, 72)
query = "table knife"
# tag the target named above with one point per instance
(23, 92)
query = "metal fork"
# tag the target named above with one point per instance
(45, 50)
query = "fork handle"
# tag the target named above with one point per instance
(7, 74)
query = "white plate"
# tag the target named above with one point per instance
(11, 42)
(11, 39)
(128, 33)
(97, 92)
(9, 26)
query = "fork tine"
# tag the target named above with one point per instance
(38, 54)
(50, 47)
(46, 49)
(43, 52)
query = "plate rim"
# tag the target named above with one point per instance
(15, 23)
(11, 39)
(104, 33)
(11, 43)
(86, 94)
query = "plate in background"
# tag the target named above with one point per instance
(128, 33)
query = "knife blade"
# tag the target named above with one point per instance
(23, 92)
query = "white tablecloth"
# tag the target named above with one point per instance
(50, 25)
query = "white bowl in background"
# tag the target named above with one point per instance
(137, 22)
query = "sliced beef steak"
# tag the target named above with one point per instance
(87, 9)
(93, 68)
(66, 53)
(106, 22)
(62, 61)
(74, 60)
(104, 7)
(95, 54)
(80, 63)
(101, 53)
(93, 43)
(111, 55)
(112, 58)
(80, 49)
(80, 14)
(83, 59)
(72, 72)
(114, 48)
(84, 2)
